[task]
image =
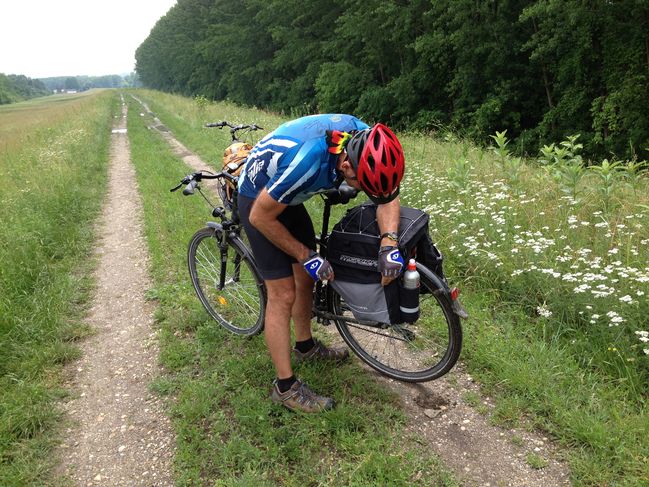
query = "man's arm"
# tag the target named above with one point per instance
(263, 216)
(388, 217)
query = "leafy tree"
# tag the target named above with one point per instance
(71, 83)
(15, 88)
(540, 69)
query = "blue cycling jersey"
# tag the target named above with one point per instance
(293, 162)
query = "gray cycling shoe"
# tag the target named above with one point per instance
(322, 352)
(300, 398)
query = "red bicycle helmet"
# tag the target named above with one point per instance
(377, 157)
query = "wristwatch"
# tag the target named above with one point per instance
(391, 236)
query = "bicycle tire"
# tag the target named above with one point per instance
(419, 352)
(241, 304)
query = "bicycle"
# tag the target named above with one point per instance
(226, 280)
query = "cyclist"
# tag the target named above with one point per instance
(297, 160)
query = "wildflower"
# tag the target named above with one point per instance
(626, 299)
(544, 311)
(615, 319)
(581, 288)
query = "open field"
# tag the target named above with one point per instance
(53, 155)
(19, 120)
(554, 264)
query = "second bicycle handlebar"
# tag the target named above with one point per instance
(233, 128)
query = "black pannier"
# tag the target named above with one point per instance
(353, 248)
(354, 243)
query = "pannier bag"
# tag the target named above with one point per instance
(353, 249)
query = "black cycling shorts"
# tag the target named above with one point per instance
(272, 262)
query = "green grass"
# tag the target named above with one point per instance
(51, 187)
(557, 288)
(228, 431)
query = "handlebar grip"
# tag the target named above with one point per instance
(189, 189)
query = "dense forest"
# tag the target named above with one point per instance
(542, 69)
(14, 87)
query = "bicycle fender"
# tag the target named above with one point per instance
(216, 226)
(442, 288)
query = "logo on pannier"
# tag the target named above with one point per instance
(359, 261)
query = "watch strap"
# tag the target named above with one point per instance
(391, 236)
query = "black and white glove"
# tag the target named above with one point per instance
(390, 262)
(318, 268)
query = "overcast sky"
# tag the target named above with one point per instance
(43, 38)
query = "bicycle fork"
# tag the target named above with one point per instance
(221, 239)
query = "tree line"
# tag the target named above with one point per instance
(541, 69)
(16, 87)
(82, 83)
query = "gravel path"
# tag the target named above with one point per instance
(118, 434)
(479, 453)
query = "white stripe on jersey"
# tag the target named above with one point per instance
(294, 163)
(299, 182)
(272, 165)
(274, 141)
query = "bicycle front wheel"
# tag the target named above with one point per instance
(227, 282)
(418, 352)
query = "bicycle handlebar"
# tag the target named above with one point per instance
(233, 128)
(191, 181)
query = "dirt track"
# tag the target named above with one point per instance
(118, 432)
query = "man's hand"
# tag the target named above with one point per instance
(318, 268)
(390, 264)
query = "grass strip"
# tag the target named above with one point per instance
(51, 188)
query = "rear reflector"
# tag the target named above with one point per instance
(455, 292)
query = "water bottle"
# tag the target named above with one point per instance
(411, 276)
(409, 293)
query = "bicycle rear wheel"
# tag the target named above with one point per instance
(418, 352)
(227, 282)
